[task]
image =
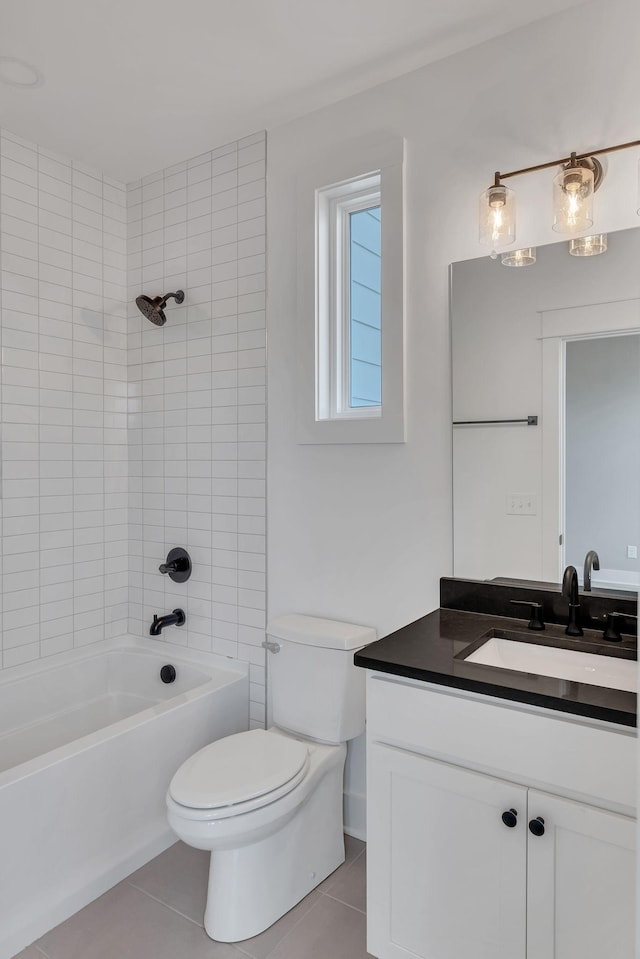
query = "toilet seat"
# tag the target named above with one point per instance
(237, 774)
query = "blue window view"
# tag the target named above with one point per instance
(365, 299)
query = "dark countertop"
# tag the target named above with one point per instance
(427, 650)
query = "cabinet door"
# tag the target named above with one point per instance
(581, 881)
(446, 877)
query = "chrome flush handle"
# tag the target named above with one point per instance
(272, 647)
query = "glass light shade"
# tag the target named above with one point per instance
(524, 257)
(497, 217)
(588, 245)
(573, 200)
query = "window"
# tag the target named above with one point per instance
(350, 291)
(365, 298)
(349, 320)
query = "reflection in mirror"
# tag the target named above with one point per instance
(558, 340)
(602, 456)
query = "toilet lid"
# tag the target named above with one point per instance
(236, 769)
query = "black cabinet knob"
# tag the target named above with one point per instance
(510, 818)
(536, 826)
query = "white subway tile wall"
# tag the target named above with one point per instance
(197, 402)
(63, 334)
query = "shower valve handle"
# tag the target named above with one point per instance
(177, 565)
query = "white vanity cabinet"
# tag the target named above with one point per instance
(448, 878)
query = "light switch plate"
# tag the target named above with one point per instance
(522, 504)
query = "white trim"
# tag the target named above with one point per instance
(356, 160)
(552, 426)
(582, 321)
(620, 318)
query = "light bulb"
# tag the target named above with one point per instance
(573, 200)
(497, 216)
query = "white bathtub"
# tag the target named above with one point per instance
(87, 750)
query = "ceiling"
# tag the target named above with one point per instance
(132, 86)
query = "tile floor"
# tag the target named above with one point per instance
(156, 913)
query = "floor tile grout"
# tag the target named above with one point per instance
(363, 912)
(295, 926)
(311, 909)
(355, 858)
(320, 895)
(161, 902)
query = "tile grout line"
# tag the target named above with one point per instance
(328, 895)
(161, 902)
(287, 934)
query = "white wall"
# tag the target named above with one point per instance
(197, 402)
(364, 533)
(64, 372)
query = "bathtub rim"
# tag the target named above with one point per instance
(222, 672)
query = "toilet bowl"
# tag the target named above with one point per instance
(270, 850)
(267, 804)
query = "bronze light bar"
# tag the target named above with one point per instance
(574, 186)
(574, 157)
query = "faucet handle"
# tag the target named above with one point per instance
(536, 622)
(615, 623)
(177, 565)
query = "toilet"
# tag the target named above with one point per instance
(267, 803)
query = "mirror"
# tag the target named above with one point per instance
(555, 347)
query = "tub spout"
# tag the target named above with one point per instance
(176, 618)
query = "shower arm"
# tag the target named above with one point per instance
(178, 296)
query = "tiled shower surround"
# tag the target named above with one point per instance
(197, 402)
(64, 373)
(121, 439)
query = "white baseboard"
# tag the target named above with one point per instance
(355, 815)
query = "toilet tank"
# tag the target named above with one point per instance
(316, 690)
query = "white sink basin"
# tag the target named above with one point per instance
(577, 667)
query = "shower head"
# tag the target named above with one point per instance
(153, 309)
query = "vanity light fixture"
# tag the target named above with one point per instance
(588, 245)
(524, 257)
(579, 177)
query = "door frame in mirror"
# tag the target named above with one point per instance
(621, 317)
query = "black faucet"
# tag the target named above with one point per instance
(570, 593)
(591, 561)
(176, 618)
